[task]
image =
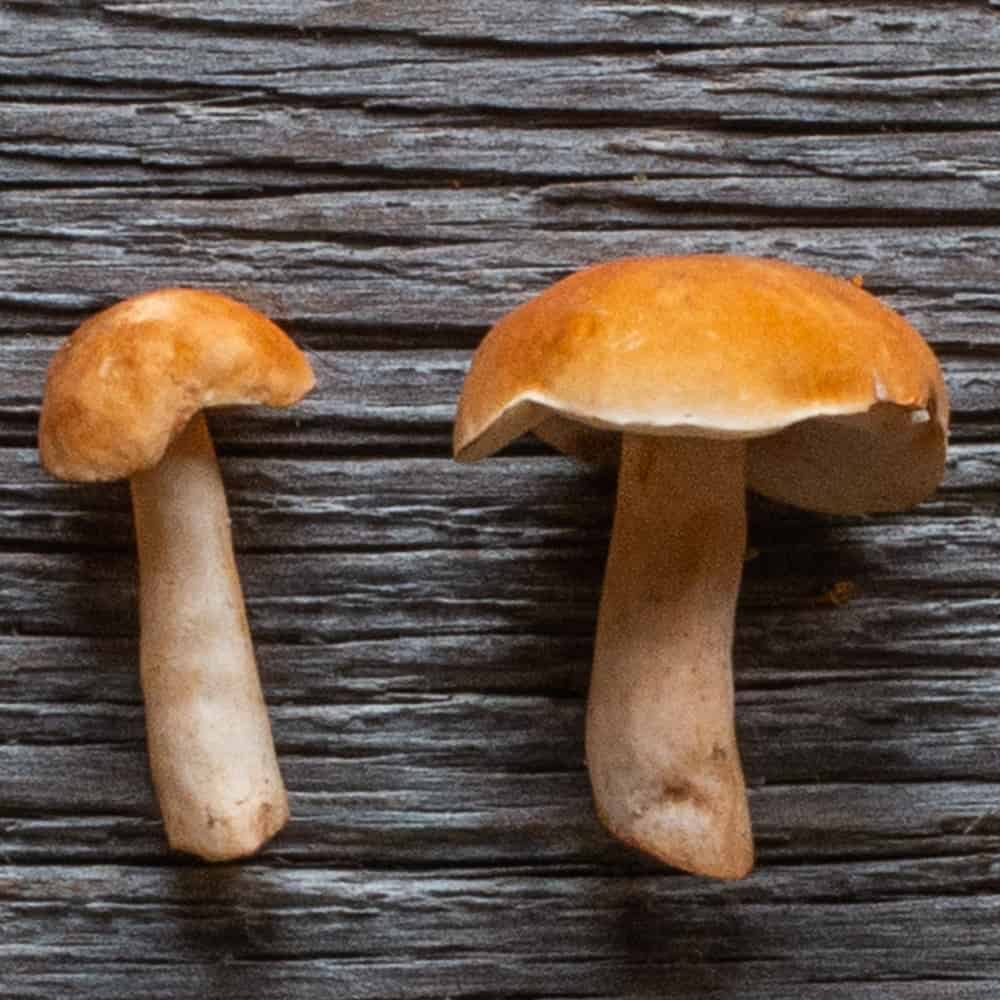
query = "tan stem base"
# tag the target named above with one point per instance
(210, 746)
(661, 743)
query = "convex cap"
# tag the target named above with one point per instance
(841, 400)
(131, 377)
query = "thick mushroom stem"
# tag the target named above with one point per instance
(210, 747)
(661, 743)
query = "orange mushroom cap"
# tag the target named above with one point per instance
(131, 377)
(841, 401)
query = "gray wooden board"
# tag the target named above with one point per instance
(386, 179)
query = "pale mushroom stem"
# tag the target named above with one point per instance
(661, 742)
(210, 747)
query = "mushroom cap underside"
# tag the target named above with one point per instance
(841, 401)
(129, 378)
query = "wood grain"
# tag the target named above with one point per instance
(386, 179)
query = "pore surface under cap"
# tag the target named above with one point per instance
(129, 378)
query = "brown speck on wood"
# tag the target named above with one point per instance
(840, 593)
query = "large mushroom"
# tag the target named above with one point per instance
(123, 399)
(701, 376)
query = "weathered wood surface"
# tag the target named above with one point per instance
(386, 179)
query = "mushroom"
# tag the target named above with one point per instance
(701, 376)
(123, 399)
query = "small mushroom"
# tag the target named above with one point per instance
(123, 399)
(701, 376)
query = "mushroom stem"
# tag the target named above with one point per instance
(210, 748)
(661, 741)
